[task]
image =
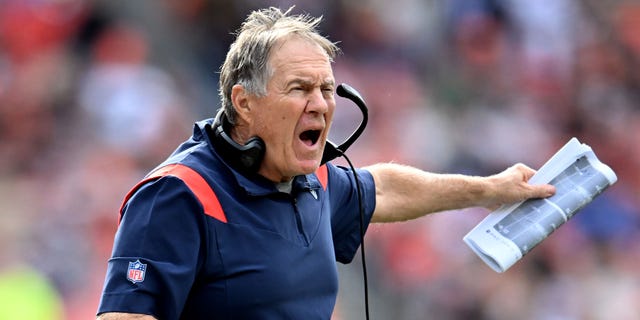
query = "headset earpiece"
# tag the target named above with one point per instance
(245, 158)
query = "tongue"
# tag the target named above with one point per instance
(306, 138)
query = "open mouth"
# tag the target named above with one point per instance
(310, 137)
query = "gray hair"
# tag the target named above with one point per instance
(247, 60)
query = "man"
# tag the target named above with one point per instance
(242, 221)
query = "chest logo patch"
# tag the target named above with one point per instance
(136, 271)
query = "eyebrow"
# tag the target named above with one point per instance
(305, 82)
(329, 82)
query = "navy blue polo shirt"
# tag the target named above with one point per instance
(273, 256)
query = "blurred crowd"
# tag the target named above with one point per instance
(93, 94)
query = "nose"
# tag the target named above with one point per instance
(318, 101)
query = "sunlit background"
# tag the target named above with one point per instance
(95, 94)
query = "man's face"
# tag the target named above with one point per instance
(294, 117)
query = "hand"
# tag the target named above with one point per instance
(511, 186)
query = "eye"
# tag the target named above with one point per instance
(327, 91)
(298, 88)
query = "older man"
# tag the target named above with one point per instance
(243, 221)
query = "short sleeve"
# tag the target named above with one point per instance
(345, 208)
(157, 251)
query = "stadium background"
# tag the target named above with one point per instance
(95, 93)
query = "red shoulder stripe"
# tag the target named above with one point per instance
(323, 176)
(194, 181)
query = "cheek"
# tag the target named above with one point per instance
(274, 129)
(328, 117)
(329, 114)
(276, 121)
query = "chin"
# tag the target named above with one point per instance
(309, 166)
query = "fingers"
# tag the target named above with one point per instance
(532, 191)
(524, 170)
(512, 186)
(544, 191)
(538, 191)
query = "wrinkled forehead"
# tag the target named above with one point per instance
(299, 54)
(296, 45)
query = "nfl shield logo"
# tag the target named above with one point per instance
(136, 271)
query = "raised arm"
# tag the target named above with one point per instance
(404, 193)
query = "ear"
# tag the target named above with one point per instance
(240, 100)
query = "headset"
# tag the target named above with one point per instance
(247, 157)
(242, 157)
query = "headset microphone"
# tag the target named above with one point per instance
(331, 151)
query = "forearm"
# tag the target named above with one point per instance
(404, 193)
